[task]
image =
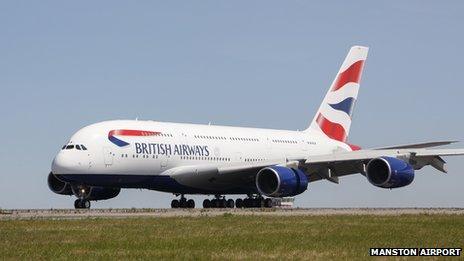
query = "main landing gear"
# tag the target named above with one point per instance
(250, 202)
(183, 203)
(254, 202)
(218, 202)
(81, 203)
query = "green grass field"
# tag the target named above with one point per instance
(226, 237)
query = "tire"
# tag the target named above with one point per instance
(246, 203)
(230, 203)
(206, 203)
(183, 203)
(175, 203)
(77, 204)
(239, 203)
(190, 203)
(86, 204)
(223, 203)
(268, 203)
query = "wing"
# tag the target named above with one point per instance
(317, 167)
(419, 145)
(332, 166)
(223, 178)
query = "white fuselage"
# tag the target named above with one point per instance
(177, 145)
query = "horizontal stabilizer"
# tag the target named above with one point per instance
(419, 145)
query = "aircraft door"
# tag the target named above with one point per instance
(238, 157)
(164, 161)
(108, 156)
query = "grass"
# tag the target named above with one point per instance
(226, 237)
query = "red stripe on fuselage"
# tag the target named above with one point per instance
(132, 133)
(352, 74)
(354, 147)
(333, 130)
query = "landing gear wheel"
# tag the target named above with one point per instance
(239, 203)
(206, 203)
(257, 203)
(190, 203)
(182, 203)
(268, 203)
(246, 203)
(230, 203)
(175, 203)
(81, 203)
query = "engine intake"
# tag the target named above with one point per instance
(388, 172)
(277, 181)
(58, 186)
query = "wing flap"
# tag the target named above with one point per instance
(346, 163)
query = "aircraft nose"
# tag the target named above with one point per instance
(63, 163)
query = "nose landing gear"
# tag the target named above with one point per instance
(81, 192)
(81, 203)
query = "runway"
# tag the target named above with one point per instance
(18, 214)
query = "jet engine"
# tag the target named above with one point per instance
(58, 186)
(388, 172)
(278, 181)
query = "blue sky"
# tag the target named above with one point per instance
(64, 65)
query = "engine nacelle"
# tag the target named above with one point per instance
(58, 186)
(95, 193)
(277, 181)
(388, 172)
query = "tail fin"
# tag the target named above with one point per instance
(334, 115)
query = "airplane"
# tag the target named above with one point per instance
(185, 159)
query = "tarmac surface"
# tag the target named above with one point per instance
(18, 214)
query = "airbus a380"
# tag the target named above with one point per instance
(101, 159)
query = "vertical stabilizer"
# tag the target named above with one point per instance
(333, 117)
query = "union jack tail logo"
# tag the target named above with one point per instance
(335, 113)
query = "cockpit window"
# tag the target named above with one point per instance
(77, 146)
